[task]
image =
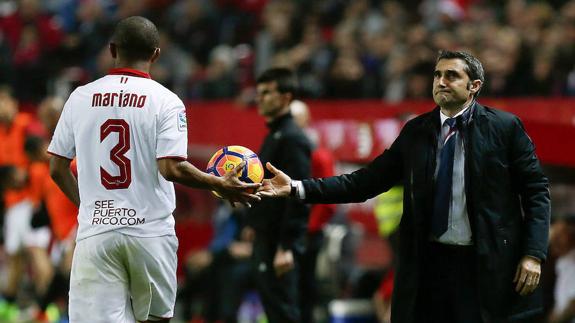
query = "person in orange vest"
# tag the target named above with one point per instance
(14, 127)
(37, 241)
(62, 214)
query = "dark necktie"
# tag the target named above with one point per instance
(444, 182)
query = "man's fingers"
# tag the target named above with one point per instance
(527, 283)
(271, 168)
(526, 287)
(530, 285)
(266, 193)
(517, 272)
(521, 281)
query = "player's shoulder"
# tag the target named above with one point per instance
(88, 87)
(164, 94)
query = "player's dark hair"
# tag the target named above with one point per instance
(136, 38)
(285, 79)
(473, 66)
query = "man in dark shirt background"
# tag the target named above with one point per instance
(280, 224)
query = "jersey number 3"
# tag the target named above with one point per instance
(117, 155)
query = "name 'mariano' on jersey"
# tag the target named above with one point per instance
(117, 127)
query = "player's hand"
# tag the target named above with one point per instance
(235, 191)
(277, 186)
(527, 275)
(283, 261)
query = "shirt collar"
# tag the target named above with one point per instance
(276, 123)
(128, 72)
(443, 117)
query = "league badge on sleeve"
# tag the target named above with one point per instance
(182, 122)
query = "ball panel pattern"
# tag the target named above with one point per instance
(227, 158)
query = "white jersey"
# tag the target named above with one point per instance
(117, 127)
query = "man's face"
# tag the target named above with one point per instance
(8, 109)
(49, 112)
(271, 103)
(451, 84)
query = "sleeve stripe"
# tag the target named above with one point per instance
(54, 154)
(173, 157)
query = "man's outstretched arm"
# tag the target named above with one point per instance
(228, 186)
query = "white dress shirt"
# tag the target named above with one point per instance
(458, 227)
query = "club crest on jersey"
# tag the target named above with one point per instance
(182, 122)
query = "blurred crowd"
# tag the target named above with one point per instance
(212, 49)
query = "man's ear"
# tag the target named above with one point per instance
(288, 97)
(156, 54)
(474, 86)
(113, 50)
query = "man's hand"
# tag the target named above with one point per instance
(278, 186)
(232, 189)
(283, 261)
(527, 275)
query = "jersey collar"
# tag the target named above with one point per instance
(128, 72)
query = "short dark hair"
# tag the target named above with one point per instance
(284, 77)
(473, 66)
(136, 38)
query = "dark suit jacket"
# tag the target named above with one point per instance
(284, 220)
(507, 199)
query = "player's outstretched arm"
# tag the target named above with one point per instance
(63, 177)
(228, 186)
(278, 186)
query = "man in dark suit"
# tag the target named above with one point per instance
(476, 205)
(280, 225)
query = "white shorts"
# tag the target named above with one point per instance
(17, 226)
(38, 237)
(61, 247)
(120, 278)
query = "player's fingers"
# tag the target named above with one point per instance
(251, 185)
(238, 169)
(252, 197)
